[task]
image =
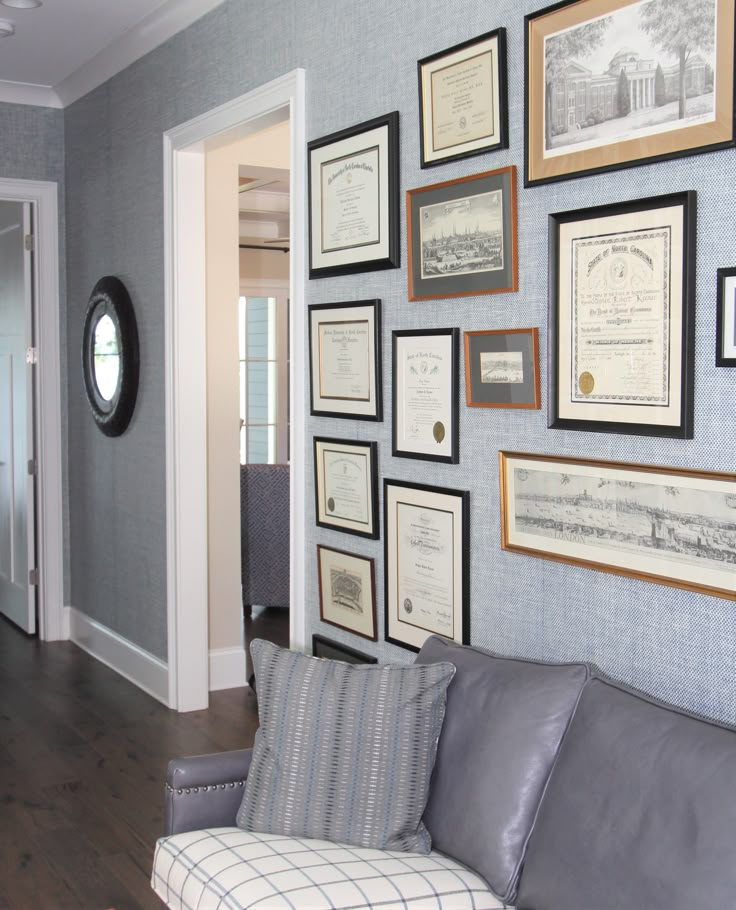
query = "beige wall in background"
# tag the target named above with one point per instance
(264, 266)
(268, 148)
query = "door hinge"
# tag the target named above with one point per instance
(32, 467)
(33, 577)
(32, 355)
(29, 241)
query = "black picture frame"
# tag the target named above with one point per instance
(581, 398)
(589, 152)
(333, 650)
(491, 45)
(350, 467)
(377, 140)
(508, 376)
(425, 441)
(366, 404)
(726, 318)
(452, 510)
(347, 591)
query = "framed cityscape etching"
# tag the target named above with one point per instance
(622, 317)
(669, 525)
(726, 318)
(347, 591)
(463, 103)
(616, 83)
(461, 236)
(502, 369)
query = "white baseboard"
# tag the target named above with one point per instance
(129, 660)
(227, 668)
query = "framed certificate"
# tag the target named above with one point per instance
(463, 107)
(346, 485)
(354, 199)
(425, 394)
(502, 369)
(347, 591)
(426, 532)
(726, 318)
(345, 361)
(621, 317)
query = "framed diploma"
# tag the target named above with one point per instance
(354, 199)
(332, 650)
(426, 531)
(345, 359)
(346, 485)
(502, 369)
(726, 318)
(669, 525)
(621, 317)
(462, 236)
(617, 83)
(425, 394)
(463, 107)
(347, 591)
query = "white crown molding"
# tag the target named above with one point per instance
(24, 93)
(163, 23)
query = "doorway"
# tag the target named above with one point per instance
(186, 369)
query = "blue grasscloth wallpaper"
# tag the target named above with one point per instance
(360, 60)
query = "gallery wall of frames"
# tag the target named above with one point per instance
(522, 345)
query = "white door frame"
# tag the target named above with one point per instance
(49, 553)
(186, 380)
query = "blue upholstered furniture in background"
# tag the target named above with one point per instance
(264, 534)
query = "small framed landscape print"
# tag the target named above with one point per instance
(425, 394)
(726, 318)
(332, 650)
(616, 83)
(463, 107)
(669, 525)
(502, 369)
(426, 544)
(345, 360)
(354, 199)
(346, 485)
(462, 236)
(621, 330)
(347, 591)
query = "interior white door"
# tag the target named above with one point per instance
(17, 486)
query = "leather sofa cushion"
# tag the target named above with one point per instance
(504, 722)
(640, 811)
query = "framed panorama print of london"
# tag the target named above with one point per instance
(614, 83)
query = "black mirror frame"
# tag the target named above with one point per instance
(110, 297)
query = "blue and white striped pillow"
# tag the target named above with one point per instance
(344, 752)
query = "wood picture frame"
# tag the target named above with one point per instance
(668, 525)
(462, 236)
(347, 591)
(354, 199)
(622, 317)
(584, 117)
(726, 318)
(502, 369)
(463, 100)
(346, 485)
(333, 650)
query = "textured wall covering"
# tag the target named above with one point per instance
(678, 645)
(32, 148)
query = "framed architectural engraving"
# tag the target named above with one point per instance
(425, 394)
(726, 318)
(461, 236)
(463, 106)
(332, 650)
(502, 369)
(426, 534)
(616, 83)
(621, 317)
(669, 525)
(345, 360)
(354, 199)
(347, 591)
(346, 485)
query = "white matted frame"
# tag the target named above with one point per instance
(186, 410)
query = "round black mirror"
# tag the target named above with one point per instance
(110, 359)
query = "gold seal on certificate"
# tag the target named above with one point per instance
(586, 383)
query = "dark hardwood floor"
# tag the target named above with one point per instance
(83, 757)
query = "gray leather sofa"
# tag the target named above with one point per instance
(561, 790)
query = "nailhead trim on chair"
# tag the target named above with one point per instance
(180, 790)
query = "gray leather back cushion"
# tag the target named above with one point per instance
(640, 811)
(504, 722)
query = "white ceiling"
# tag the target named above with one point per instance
(65, 48)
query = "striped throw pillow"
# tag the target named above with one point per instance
(344, 752)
